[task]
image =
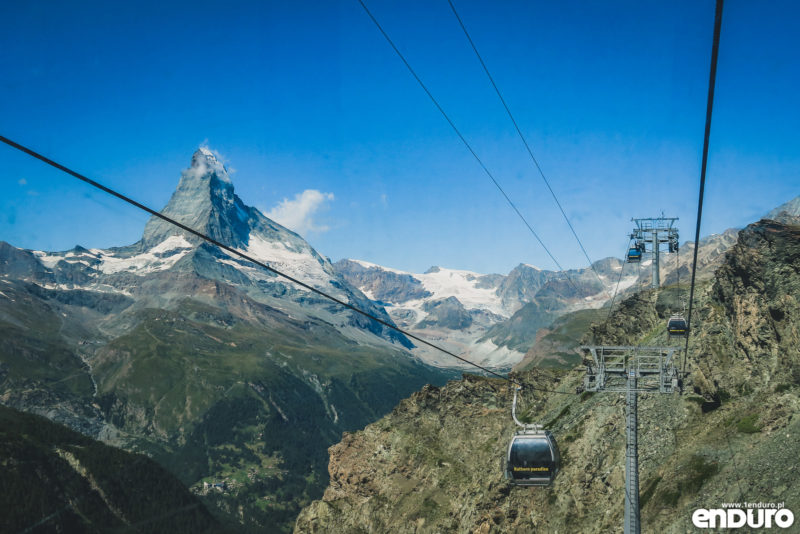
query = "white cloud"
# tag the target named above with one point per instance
(213, 162)
(298, 214)
(22, 181)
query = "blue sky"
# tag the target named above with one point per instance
(308, 97)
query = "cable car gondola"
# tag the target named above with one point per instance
(532, 458)
(634, 255)
(676, 326)
(673, 244)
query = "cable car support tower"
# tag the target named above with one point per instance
(630, 370)
(653, 232)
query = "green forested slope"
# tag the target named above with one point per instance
(56, 480)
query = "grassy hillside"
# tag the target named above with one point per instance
(217, 390)
(556, 346)
(218, 399)
(37, 355)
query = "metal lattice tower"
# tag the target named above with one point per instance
(632, 522)
(631, 370)
(653, 232)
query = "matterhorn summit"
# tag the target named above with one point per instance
(203, 201)
(206, 202)
(168, 263)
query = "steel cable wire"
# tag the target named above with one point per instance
(525, 142)
(706, 135)
(465, 142)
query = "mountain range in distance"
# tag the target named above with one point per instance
(494, 319)
(491, 319)
(221, 370)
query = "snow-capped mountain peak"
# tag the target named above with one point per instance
(204, 161)
(205, 201)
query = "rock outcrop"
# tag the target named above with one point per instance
(434, 464)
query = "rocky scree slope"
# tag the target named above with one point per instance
(434, 463)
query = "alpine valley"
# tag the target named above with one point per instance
(237, 380)
(224, 373)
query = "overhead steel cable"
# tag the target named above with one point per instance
(525, 142)
(242, 255)
(464, 140)
(712, 78)
(619, 279)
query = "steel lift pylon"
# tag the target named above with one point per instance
(630, 370)
(653, 232)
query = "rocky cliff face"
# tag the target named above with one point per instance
(205, 201)
(756, 292)
(434, 464)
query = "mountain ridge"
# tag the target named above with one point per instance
(225, 372)
(508, 311)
